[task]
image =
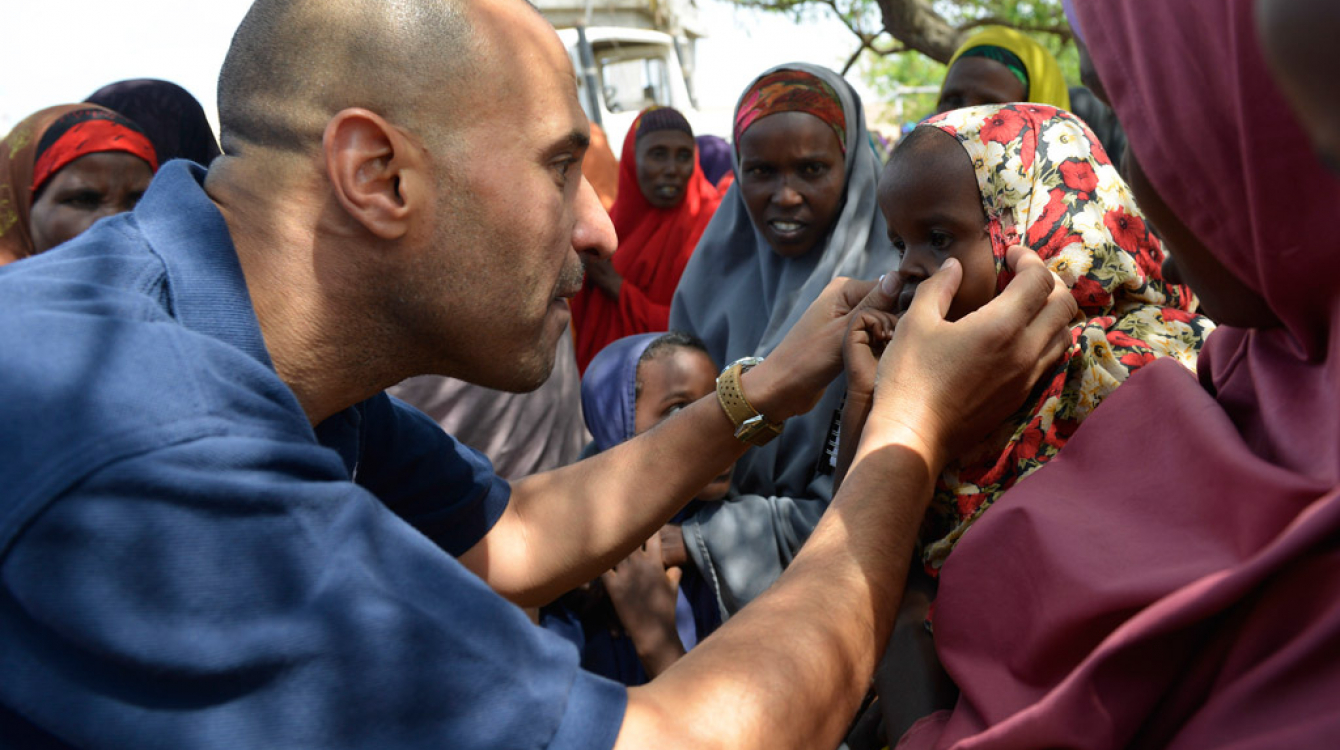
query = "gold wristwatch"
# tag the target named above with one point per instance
(750, 426)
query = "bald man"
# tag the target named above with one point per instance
(218, 532)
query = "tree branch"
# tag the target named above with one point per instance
(1061, 30)
(917, 25)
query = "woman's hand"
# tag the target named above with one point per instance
(601, 275)
(644, 593)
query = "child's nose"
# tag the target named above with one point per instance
(916, 265)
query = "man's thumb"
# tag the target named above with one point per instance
(884, 295)
(940, 288)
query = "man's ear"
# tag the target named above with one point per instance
(372, 166)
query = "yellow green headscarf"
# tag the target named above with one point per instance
(1046, 85)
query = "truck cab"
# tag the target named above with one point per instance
(628, 70)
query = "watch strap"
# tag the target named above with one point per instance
(750, 426)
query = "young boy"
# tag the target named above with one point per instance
(641, 616)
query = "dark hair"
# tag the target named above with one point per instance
(917, 140)
(664, 344)
(662, 118)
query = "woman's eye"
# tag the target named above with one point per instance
(815, 169)
(84, 199)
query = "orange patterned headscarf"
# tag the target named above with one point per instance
(22, 170)
(791, 90)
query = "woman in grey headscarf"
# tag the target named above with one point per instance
(800, 213)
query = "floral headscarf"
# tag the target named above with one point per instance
(1047, 183)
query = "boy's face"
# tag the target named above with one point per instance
(671, 380)
(928, 195)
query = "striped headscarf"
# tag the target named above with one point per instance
(791, 90)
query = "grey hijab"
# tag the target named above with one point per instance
(740, 297)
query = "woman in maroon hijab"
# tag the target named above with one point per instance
(1172, 578)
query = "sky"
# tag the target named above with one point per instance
(102, 42)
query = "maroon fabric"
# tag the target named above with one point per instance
(1171, 578)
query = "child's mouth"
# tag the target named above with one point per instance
(905, 297)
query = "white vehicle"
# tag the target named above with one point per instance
(622, 71)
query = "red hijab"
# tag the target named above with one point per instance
(654, 246)
(1172, 578)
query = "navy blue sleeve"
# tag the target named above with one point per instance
(443, 488)
(237, 591)
(183, 565)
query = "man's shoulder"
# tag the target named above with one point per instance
(97, 367)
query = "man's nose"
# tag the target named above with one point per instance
(593, 235)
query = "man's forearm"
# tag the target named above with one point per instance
(821, 626)
(567, 526)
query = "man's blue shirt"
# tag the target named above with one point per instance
(187, 563)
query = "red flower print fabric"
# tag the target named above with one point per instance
(1046, 182)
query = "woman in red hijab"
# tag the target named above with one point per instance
(664, 205)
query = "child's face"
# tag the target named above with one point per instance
(928, 195)
(670, 381)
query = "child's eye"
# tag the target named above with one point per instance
(674, 408)
(898, 243)
(941, 240)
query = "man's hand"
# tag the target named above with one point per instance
(601, 275)
(795, 375)
(944, 385)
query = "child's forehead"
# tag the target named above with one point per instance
(935, 161)
(923, 149)
(676, 362)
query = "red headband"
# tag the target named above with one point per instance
(91, 136)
